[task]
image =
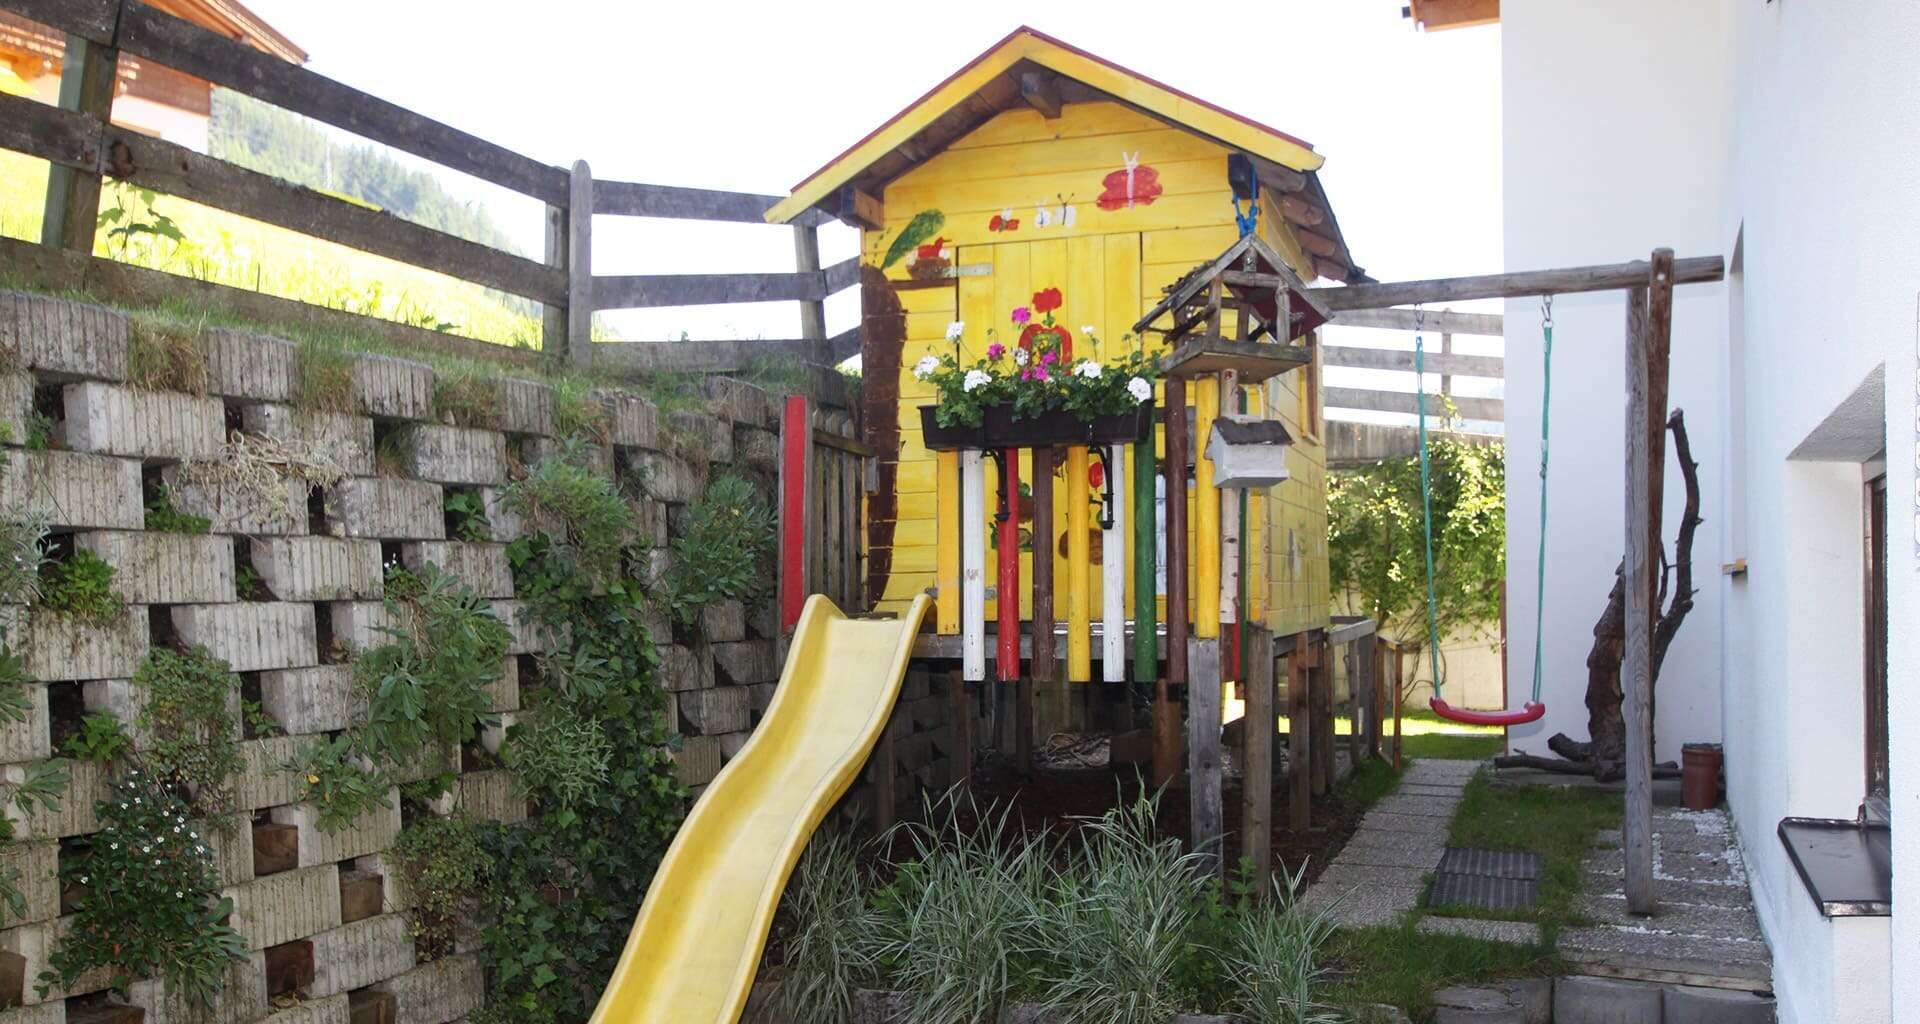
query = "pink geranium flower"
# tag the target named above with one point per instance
(996, 350)
(1022, 314)
(1047, 357)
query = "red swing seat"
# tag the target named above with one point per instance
(1530, 712)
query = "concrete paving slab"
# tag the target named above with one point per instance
(1584, 1000)
(1718, 955)
(1714, 922)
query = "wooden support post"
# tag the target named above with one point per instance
(1320, 693)
(973, 566)
(580, 267)
(1113, 573)
(1228, 511)
(806, 260)
(796, 493)
(1206, 516)
(1007, 570)
(72, 211)
(1299, 743)
(880, 767)
(1349, 661)
(1176, 533)
(1649, 321)
(1397, 697)
(1023, 725)
(1256, 787)
(1044, 662)
(1203, 754)
(1367, 694)
(1166, 733)
(1079, 570)
(960, 709)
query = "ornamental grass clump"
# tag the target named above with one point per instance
(827, 947)
(1274, 957)
(1120, 920)
(1039, 374)
(962, 925)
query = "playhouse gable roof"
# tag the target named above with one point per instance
(1030, 69)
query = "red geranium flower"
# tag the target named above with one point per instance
(1046, 300)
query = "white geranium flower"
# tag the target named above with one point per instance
(925, 367)
(1088, 369)
(976, 379)
(1139, 389)
(956, 329)
(1020, 356)
(1087, 330)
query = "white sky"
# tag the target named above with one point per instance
(753, 97)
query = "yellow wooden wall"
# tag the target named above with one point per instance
(1111, 267)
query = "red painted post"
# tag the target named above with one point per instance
(796, 468)
(1007, 584)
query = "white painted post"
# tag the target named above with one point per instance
(973, 558)
(1113, 573)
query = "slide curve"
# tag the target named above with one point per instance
(695, 947)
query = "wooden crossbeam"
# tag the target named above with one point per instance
(631, 199)
(1438, 321)
(1564, 281)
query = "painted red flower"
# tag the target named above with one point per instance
(1046, 300)
(1096, 475)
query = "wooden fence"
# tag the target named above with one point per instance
(824, 475)
(78, 138)
(1440, 329)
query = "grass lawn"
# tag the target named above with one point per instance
(1425, 734)
(1398, 965)
(1556, 822)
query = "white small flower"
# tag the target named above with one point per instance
(115, 846)
(178, 895)
(1020, 356)
(1087, 330)
(976, 379)
(1139, 389)
(925, 367)
(956, 329)
(1088, 369)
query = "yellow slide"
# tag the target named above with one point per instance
(695, 947)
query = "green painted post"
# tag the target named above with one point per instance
(1146, 647)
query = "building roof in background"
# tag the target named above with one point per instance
(1434, 15)
(232, 19)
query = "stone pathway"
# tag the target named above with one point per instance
(1380, 873)
(1704, 922)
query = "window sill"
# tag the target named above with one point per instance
(1846, 866)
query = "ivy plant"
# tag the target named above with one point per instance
(189, 715)
(443, 863)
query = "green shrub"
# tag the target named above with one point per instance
(725, 551)
(467, 517)
(23, 557)
(443, 865)
(187, 713)
(429, 683)
(41, 430)
(101, 738)
(577, 412)
(338, 782)
(82, 587)
(577, 509)
(558, 751)
(149, 901)
(162, 517)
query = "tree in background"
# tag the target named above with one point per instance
(1375, 540)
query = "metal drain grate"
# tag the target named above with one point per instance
(1489, 879)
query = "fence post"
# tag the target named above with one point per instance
(72, 211)
(580, 267)
(796, 472)
(806, 260)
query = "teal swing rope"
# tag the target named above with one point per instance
(1534, 708)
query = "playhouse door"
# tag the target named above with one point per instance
(1099, 281)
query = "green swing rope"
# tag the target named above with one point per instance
(1426, 495)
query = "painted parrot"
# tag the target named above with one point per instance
(922, 227)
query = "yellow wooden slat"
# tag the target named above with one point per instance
(1093, 158)
(1166, 212)
(1078, 579)
(917, 477)
(1206, 514)
(1076, 120)
(999, 186)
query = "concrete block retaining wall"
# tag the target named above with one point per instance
(319, 555)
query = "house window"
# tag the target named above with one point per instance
(1876, 631)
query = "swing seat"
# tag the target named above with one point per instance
(1530, 712)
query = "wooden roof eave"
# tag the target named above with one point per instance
(1027, 46)
(1188, 287)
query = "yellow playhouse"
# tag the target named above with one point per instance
(1042, 180)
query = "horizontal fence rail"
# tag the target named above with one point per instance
(1439, 326)
(79, 139)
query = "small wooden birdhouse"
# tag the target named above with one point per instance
(1260, 298)
(1248, 451)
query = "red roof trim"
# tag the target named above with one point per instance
(1069, 47)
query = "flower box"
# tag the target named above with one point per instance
(999, 429)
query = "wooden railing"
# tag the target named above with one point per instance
(83, 145)
(824, 474)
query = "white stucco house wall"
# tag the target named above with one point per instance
(1785, 136)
